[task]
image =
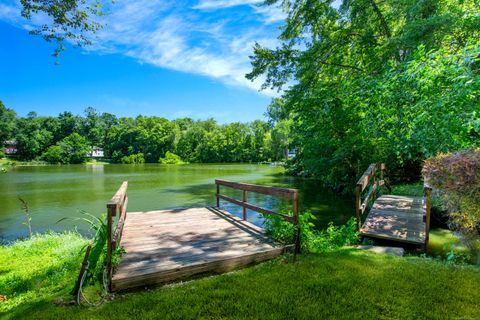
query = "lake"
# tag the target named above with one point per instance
(57, 192)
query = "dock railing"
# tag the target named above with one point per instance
(116, 207)
(374, 176)
(291, 194)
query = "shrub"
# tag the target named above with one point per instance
(312, 240)
(74, 148)
(53, 154)
(455, 178)
(171, 158)
(133, 159)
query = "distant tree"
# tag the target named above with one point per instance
(7, 123)
(68, 125)
(54, 154)
(74, 148)
(32, 138)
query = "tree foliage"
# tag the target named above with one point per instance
(394, 81)
(67, 138)
(67, 20)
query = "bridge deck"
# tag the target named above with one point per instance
(168, 245)
(396, 218)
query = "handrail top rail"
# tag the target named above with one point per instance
(119, 196)
(368, 174)
(268, 190)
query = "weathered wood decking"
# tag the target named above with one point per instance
(168, 245)
(396, 218)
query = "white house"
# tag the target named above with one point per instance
(96, 152)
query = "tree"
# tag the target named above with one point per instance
(74, 148)
(32, 138)
(69, 20)
(365, 82)
(7, 123)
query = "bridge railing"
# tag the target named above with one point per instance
(116, 207)
(374, 177)
(427, 206)
(291, 194)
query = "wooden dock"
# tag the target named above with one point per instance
(169, 245)
(394, 218)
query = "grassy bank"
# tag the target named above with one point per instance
(344, 284)
(38, 270)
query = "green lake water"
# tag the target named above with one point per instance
(56, 192)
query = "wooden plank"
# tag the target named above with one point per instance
(82, 270)
(272, 191)
(367, 175)
(396, 218)
(368, 197)
(211, 240)
(255, 208)
(121, 222)
(152, 264)
(185, 272)
(118, 197)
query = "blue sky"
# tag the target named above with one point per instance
(154, 57)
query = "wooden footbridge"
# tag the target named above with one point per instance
(167, 245)
(389, 217)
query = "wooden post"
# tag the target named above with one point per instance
(296, 222)
(428, 208)
(82, 270)
(244, 208)
(218, 199)
(382, 177)
(111, 212)
(358, 191)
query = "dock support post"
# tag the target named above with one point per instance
(244, 208)
(111, 212)
(358, 204)
(218, 198)
(296, 222)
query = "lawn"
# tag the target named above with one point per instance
(343, 284)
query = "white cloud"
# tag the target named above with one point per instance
(220, 4)
(10, 13)
(169, 34)
(271, 14)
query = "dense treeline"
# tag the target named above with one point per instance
(67, 138)
(392, 81)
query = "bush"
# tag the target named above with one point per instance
(53, 154)
(2, 154)
(312, 240)
(171, 158)
(133, 159)
(74, 148)
(455, 178)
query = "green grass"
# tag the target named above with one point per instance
(343, 284)
(38, 269)
(410, 189)
(94, 161)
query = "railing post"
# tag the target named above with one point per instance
(428, 207)
(296, 221)
(358, 200)
(382, 177)
(218, 193)
(244, 208)
(111, 212)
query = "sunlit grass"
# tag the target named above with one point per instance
(344, 284)
(410, 189)
(38, 269)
